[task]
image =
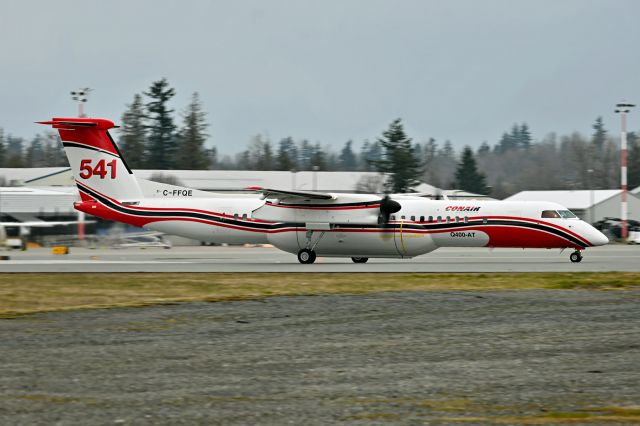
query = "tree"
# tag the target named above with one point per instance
(369, 155)
(191, 153)
(524, 136)
(14, 152)
(35, 153)
(318, 158)
(161, 141)
(634, 160)
(3, 149)
(287, 156)
(347, 157)
(133, 135)
(53, 151)
(599, 137)
(484, 149)
(467, 176)
(398, 159)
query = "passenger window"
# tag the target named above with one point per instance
(421, 219)
(244, 216)
(430, 218)
(550, 214)
(413, 218)
(393, 217)
(235, 216)
(439, 218)
(466, 219)
(403, 217)
(484, 220)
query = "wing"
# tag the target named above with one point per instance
(268, 193)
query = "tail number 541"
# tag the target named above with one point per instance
(100, 169)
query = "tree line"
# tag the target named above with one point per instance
(152, 137)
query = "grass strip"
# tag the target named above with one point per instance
(27, 293)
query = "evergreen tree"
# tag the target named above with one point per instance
(599, 137)
(398, 159)
(266, 161)
(305, 154)
(15, 152)
(191, 153)
(161, 141)
(287, 156)
(524, 136)
(348, 157)
(484, 149)
(447, 150)
(369, 155)
(133, 133)
(3, 149)
(35, 153)
(467, 176)
(54, 152)
(429, 151)
(318, 158)
(634, 160)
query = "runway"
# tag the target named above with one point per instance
(268, 259)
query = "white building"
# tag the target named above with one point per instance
(590, 205)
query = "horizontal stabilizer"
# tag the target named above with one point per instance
(71, 123)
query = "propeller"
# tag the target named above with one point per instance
(387, 208)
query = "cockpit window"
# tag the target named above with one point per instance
(549, 214)
(566, 214)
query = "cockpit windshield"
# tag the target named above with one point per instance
(560, 214)
(566, 214)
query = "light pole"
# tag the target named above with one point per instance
(623, 108)
(81, 96)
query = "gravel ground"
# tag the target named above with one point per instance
(392, 358)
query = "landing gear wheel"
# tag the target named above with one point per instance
(575, 257)
(359, 259)
(306, 256)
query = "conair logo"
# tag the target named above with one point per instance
(462, 209)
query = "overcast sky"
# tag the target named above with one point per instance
(328, 70)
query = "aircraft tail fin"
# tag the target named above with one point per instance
(96, 162)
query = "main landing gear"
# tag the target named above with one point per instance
(576, 256)
(308, 255)
(359, 259)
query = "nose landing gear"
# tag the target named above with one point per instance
(576, 256)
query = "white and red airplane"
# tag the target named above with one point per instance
(309, 223)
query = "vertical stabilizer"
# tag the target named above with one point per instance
(95, 159)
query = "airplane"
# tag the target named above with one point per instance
(308, 223)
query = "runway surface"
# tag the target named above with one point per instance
(268, 259)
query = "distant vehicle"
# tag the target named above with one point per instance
(25, 229)
(138, 239)
(612, 227)
(309, 223)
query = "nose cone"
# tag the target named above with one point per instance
(597, 238)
